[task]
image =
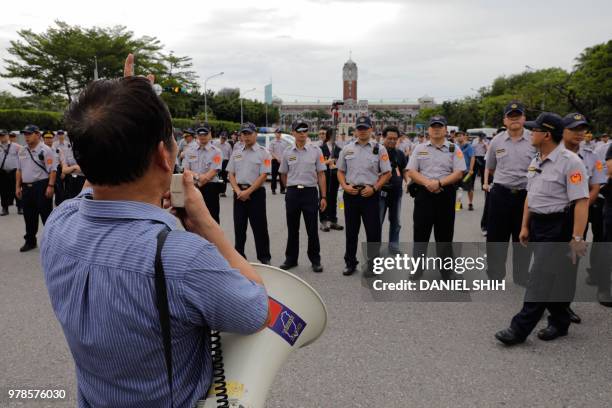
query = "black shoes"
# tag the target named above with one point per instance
(551, 333)
(27, 247)
(604, 299)
(336, 226)
(4, 212)
(325, 226)
(317, 268)
(273, 192)
(264, 262)
(20, 211)
(470, 207)
(287, 265)
(574, 318)
(349, 270)
(509, 337)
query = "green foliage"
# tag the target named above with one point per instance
(44, 103)
(60, 60)
(590, 87)
(17, 119)
(217, 125)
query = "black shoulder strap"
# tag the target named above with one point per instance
(37, 163)
(161, 300)
(6, 152)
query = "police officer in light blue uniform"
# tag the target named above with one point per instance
(205, 161)
(435, 167)
(187, 142)
(276, 149)
(248, 169)
(302, 171)
(508, 157)
(35, 181)
(74, 179)
(576, 126)
(226, 148)
(557, 212)
(8, 166)
(363, 168)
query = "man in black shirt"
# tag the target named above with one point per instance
(391, 193)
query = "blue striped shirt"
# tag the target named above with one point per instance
(98, 260)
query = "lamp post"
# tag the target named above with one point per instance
(205, 96)
(241, 109)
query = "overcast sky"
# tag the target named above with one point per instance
(403, 49)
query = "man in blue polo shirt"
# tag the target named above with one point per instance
(98, 254)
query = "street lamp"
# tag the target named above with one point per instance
(205, 100)
(241, 109)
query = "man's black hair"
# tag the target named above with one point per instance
(390, 129)
(115, 127)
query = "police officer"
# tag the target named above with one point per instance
(576, 126)
(480, 145)
(48, 138)
(435, 168)
(60, 146)
(17, 146)
(302, 168)
(8, 166)
(331, 152)
(74, 179)
(603, 294)
(392, 191)
(186, 143)
(226, 148)
(248, 169)
(276, 149)
(508, 158)
(205, 161)
(556, 211)
(363, 168)
(35, 180)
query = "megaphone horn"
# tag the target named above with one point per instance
(298, 318)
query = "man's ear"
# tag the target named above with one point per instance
(163, 158)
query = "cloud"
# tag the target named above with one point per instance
(403, 49)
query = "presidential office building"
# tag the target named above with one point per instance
(383, 113)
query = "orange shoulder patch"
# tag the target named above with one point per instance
(459, 154)
(322, 159)
(49, 161)
(385, 157)
(598, 165)
(217, 159)
(267, 162)
(575, 177)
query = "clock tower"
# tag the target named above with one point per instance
(349, 80)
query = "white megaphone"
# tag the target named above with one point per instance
(251, 362)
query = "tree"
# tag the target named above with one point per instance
(590, 87)
(61, 60)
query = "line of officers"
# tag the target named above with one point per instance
(31, 175)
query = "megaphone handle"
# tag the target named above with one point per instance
(218, 381)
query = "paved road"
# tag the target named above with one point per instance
(373, 354)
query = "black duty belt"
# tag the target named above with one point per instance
(511, 190)
(244, 186)
(550, 217)
(30, 185)
(300, 186)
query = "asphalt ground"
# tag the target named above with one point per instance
(372, 354)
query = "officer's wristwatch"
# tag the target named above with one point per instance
(577, 238)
